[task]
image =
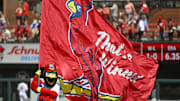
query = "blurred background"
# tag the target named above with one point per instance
(153, 27)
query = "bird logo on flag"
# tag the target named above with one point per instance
(76, 9)
(85, 54)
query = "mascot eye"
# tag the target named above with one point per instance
(46, 73)
(79, 8)
(50, 74)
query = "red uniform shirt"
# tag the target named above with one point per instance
(26, 9)
(18, 32)
(130, 30)
(104, 12)
(161, 25)
(144, 9)
(19, 11)
(123, 26)
(26, 31)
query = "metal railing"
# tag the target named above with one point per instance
(9, 81)
(158, 81)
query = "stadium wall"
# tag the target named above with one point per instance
(9, 9)
(21, 61)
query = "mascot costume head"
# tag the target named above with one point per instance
(50, 75)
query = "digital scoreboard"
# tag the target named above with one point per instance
(159, 51)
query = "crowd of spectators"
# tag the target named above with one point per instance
(168, 27)
(4, 33)
(22, 31)
(134, 24)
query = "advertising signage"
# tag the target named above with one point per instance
(29, 53)
(19, 53)
(159, 51)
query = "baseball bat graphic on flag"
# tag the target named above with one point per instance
(94, 61)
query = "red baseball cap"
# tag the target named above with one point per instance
(160, 18)
(50, 67)
(143, 2)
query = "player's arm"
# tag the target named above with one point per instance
(34, 85)
(164, 27)
(134, 10)
(47, 92)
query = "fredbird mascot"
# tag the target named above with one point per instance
(48, 89)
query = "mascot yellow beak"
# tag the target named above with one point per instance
(72, 7)
(50, 78)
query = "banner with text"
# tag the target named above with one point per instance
(19, 53)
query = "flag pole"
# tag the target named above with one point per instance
(38, 76)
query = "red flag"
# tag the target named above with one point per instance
(94, 61)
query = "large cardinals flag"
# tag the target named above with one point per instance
(94, 61)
